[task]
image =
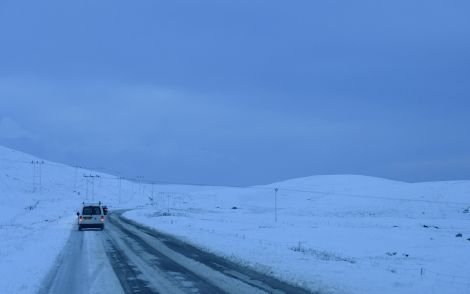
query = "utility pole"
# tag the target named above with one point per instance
(168, 203)
(37, 175)
(92, 179)
(75, 180)
(161, 199)
(151, 197)
(141, 187)
(40, 174)
(120, 187)
(86, 183)
(34, 176)
(275, 204)
(140, 182)
(99, 185)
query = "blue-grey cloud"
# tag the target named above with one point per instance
(240, 91)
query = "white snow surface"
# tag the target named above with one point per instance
(334, 234)
(38, 203)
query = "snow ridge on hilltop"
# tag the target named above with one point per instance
(341, 184)
(358, 186)
(338, 180)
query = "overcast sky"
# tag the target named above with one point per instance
(239, 92)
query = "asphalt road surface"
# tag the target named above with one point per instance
(129, 258)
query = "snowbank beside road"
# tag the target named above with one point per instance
(35, 220)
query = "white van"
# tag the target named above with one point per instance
(92, 216)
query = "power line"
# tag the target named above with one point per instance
(290, 189)
(37, 181)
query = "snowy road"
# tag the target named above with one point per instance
(128, 258)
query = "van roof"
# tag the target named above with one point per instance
(91, 203)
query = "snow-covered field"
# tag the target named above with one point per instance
(339, 234)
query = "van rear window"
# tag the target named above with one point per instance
(91, 210)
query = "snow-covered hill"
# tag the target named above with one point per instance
(37, 207)
(38, 202)
(340, 234)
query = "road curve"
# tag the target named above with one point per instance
(129, 258)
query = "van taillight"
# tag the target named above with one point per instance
(102, 218)
(81, 218)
